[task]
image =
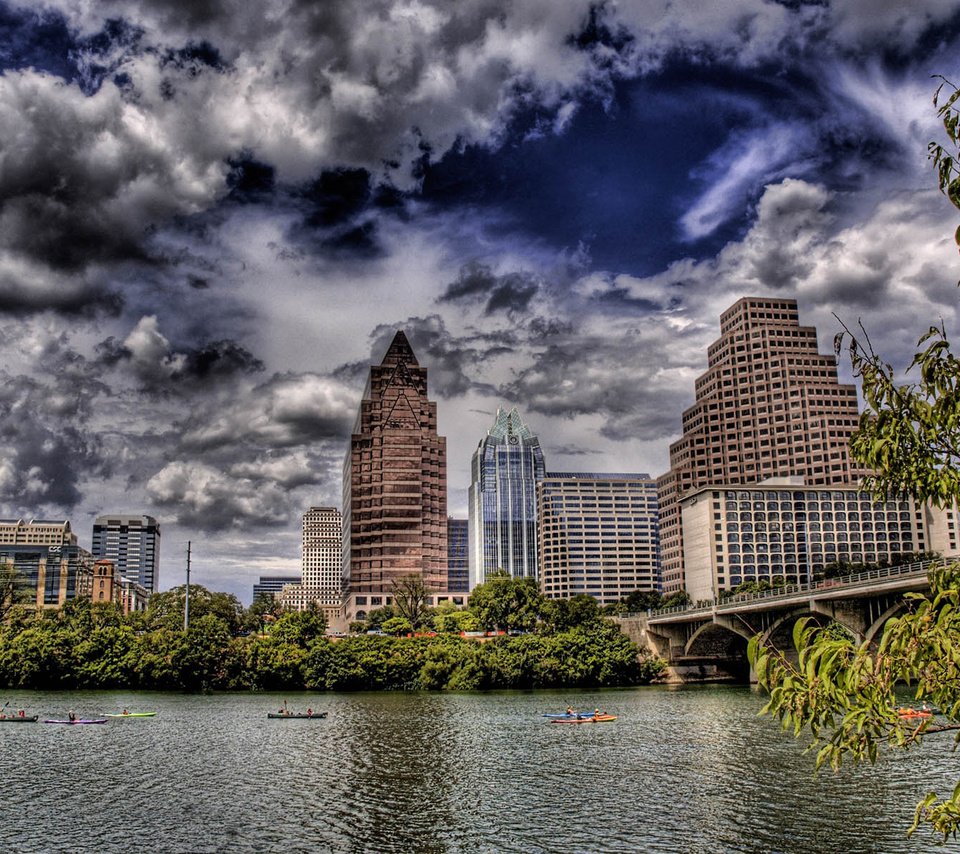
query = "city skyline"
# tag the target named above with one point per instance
(215, 218)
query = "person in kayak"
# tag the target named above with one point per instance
(72, 716)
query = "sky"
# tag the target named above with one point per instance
(214, 215)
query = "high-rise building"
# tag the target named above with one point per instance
(133, 544)
(504, 473)
(321, 577)
(598, 535)
(458, 562)
(769, 405)
(394, 486)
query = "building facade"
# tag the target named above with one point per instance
(502, 500)
(769, 405)
(788, 530)
(394, 485)
(599, 535)
(458, 559)
(50, 567)
(272, 585)
(133, 544)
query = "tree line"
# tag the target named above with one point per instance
(83, 644)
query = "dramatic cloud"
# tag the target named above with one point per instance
(214, 216)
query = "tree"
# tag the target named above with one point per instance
(410, 597)
(503, 603)
(11, 591)
(397, 626)
(909, 437)
(166, 609)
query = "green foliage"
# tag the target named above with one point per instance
(504, 603)
(165, 610)
(397, 626)
(843, 695)
(562, 614)
(946, 99)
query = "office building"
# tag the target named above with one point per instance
(504, 473)
(50, 567)
(786, 530)
(394, 486)
(133, 544)
(598, 535)
(272, 585)
(458, 562)
(769, 405)
(321, 563)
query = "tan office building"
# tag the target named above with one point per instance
(394, 486)
(769, 405)
(598, 535)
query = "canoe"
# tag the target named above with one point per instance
(298, 716)
(77, 721)
(16, 719)
(129, 714)
(591, 719)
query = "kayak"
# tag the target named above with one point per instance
(16, 719)
(298, 716)
(568, 717)
(129, 714)
(78, 721)
(590, 719)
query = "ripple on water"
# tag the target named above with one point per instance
(679, 771)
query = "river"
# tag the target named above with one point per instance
(681, 770)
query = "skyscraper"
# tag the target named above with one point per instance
(458, 562)
(394, 485)
(322, 555)
(769, 405)
(504, 473)
(133, 544)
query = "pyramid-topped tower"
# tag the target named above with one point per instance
(394, 485)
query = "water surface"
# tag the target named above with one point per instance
(688, 770)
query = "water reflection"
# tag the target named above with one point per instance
(680, 771)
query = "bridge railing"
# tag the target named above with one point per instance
(788, 591)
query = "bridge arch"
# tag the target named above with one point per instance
(779, 634)
(717, 639)
(876, 627)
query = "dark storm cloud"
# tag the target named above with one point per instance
(47, 448)
(477, 282)
(615, 380)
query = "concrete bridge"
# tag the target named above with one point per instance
(709, 641)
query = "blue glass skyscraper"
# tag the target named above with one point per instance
(505, 470)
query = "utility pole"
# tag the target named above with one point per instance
(186, 600)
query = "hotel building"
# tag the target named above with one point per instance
(133, 544)
(502, 499)
(598, 534)
(769, 405)
(394, 486)
(787, 529)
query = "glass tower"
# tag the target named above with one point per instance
(505, 471)
(133, 544)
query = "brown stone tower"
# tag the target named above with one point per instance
(769, 405)
(394, 485)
